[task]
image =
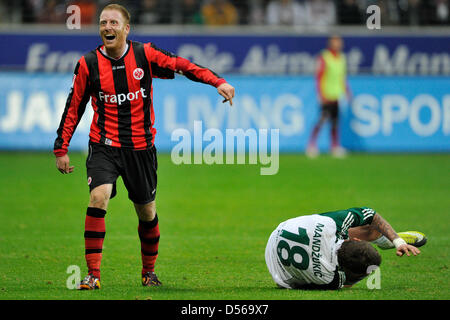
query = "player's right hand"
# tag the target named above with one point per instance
(63, 164)
(406, 249)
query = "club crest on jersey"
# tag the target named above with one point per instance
(138, 73)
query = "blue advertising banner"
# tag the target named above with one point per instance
(409, 114)
(242, 54)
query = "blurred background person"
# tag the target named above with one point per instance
(389, 12)
(348, 12)
(148, 12)
(320, 12)
(189, 12)
(51, 12)
(441, 12)
(29, 10)
(243, 10)
(154, 12)
(285, 12)
(408, 10)
(415, 12)
(256, 15)
(219, 12)
(331, 79)
(88, 9)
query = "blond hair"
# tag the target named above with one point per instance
(114, 6)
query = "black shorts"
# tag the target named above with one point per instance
(136, 167)
(330, 110)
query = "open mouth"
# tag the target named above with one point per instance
(110, 37)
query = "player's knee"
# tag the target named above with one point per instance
(146, 212)
(99, 199)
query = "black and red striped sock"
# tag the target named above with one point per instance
(149, 236)
(94, 234)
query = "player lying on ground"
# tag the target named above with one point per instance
(331, 250)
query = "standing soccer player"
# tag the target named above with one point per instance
(117, 77)
(331, 78)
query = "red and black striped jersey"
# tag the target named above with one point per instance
(121, 94)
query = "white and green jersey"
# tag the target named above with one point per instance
(302, 252)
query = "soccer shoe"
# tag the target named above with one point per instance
(150, 280)
(338, 152)
(89, 283)
(312, 152)
(414, 238)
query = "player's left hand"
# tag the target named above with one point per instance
(227, 91)
(407, 249)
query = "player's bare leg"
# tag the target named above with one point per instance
(311, 150)
(337, 150)
(94, 234)
(146, 212)
(100, 196)
(149, 235)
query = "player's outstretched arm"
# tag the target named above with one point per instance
(382, 226)
(165, 63)
(63, 164)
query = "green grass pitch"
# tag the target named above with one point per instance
(215, 221)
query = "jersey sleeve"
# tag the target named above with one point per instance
(74, 109)
(350, 218)
(362, 216)
(164, 64)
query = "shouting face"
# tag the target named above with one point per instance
(114, 30)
